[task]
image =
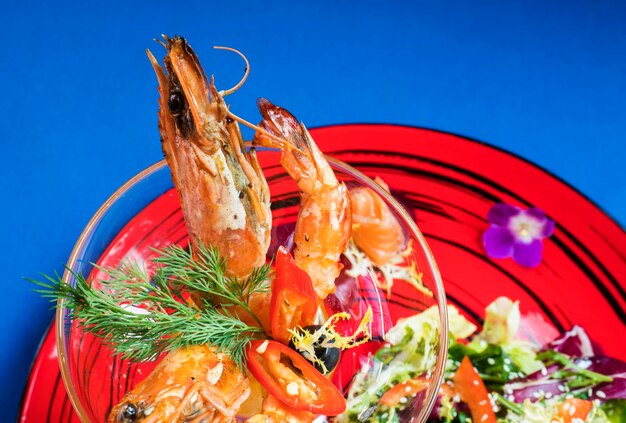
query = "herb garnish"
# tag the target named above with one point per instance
(574, 376)
(140, 316)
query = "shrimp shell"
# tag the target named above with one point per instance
(190, 384)
(223, 193)
(375, 229)
(324, 220)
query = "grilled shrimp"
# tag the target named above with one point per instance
(194, 384)
(375, 229)
(223, 193)
(225, 202)
(323, 227)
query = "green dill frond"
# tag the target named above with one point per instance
(141, 316)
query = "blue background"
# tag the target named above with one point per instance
(79, 101)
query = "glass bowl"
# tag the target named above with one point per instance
(145, 213)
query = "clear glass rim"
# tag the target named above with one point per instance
(104, 208)
(78, 247)
(429, 401)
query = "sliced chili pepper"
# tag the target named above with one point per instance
(471, 388)
(574, 408)
(408, 388)
(282, 412)
(294, 302)
(292, 380)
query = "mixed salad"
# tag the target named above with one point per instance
(492, 375)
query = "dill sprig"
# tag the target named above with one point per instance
(207, 275)
(140, 316)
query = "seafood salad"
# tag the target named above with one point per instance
(246, 327)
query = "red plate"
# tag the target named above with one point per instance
(449, 183)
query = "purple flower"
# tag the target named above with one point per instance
(517, 233)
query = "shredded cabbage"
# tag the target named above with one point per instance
(421, 325)
(502, 318)
(502, 321)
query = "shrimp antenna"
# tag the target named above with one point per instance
(282, 144)
(160, 42)
(224, 93)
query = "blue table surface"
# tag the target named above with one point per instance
(544, 80)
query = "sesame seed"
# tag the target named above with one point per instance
(600, 394)
(292, 388)
(491, 361)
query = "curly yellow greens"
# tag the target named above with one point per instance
(326, 336)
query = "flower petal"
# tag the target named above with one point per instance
(548, 228)
(540, 215)
(537, 213)
(500, 213)
(528, 255)
(498, 242)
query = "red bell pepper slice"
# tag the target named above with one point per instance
(292, 380)
(471, 388)
(574, 408)
(408, 388)
(294, 302)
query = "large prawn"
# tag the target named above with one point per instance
(324, 220)
(225, 202)
(194, 384)
(223, 193)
